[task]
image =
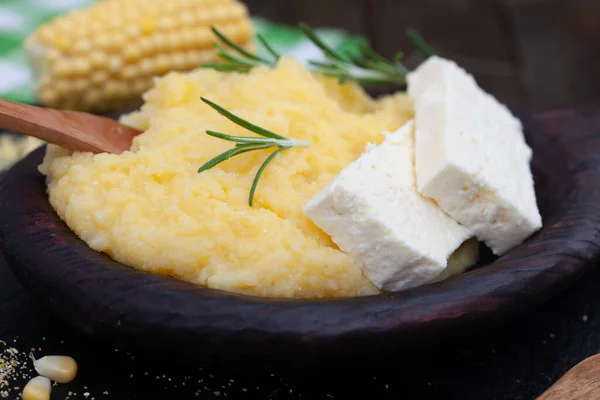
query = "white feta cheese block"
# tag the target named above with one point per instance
(471, 156)
(374, 213)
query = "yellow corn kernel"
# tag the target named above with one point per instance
(81, 66)
(82, 46)
(63, 42)
(114, 89)
(38, 388)
(62, 68)
(116, 23)
(44, 82)
(96, 28)
(80, 84)
(65, 25)
(129, 72)
(53, 55)
(48, 96)
(132, 31)
(92, 97)
(202, 35)
(203, 56)
(102, 41)
(62, 87)
(178, 61)
(61, 369)
(161, 63)
(115, 41)
(141, 85)
(146, 45)
(147, 67)
(99, 60)
(186, 19)
(160, 43)
(188, 37)
(148, 24)
(132, 54)
(174, 41)
(46, 34)
(114, 64)
(112, 49)
(165, 23)
(98, 78)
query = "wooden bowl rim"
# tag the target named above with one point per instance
(106, 298)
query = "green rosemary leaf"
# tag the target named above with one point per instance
(398, 57)
(234, 46)
(235, 59)
(259, 173)
(244, 144)
(366, 68)
(268, 47)
(226, 67)
(241, 122)
(420, 44)
(359, 60)
(226, 155)
(223, 136)
(371, 54)
(319, 64)
(329, 52)
(244, 140)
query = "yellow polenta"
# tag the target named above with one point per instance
(149, 208)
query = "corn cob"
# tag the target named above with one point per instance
(104, 57)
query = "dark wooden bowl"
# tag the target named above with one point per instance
(110, 300)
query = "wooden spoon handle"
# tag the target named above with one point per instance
(73, 130)
(579, 383)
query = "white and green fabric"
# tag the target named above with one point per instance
(18, 18)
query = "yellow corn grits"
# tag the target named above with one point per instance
(149, 208)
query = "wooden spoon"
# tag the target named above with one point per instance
(73, 130)
(579, 383)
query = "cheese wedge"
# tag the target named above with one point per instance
(373, 212)
(471, 156)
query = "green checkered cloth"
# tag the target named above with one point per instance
(18, 18)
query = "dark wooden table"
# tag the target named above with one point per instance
(518, 361)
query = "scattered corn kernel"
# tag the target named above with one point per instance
(38, 388)
(61, 369)
(126, 41)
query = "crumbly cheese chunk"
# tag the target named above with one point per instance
(471, 156)
(373, 212)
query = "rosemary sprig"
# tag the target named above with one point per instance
(367, 68)
(419, 43)
(237, 59)
(370, 68)
(244, 144)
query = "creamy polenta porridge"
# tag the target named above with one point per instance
(149, 208)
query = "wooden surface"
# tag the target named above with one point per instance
(582, 382)
(541, 53)
(515, 362)
(109, 300)
(71, 130)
